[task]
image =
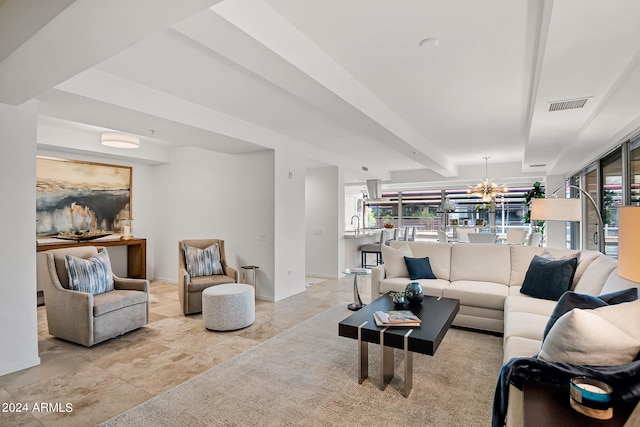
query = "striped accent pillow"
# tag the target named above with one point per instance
(203, 262)
(91, 275)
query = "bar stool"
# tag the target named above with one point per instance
(372, 248)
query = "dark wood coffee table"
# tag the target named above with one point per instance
(436, 314)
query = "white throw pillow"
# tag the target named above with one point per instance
(603, 336)
(393, 259)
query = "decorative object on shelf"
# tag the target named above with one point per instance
(591, 397)
(82, 235)
(387, 221)
(483, 206)
(479, 222)
(487, 190)
(413, 293)
(398, 298)
(453, 221)
(126, 229)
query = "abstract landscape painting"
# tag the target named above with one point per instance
(73, 195)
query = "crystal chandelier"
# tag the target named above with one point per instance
(487, 190)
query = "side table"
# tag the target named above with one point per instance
(355, 272)
(548, 405)
(253, 282)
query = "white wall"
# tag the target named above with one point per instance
(324, 206)
(289, 233)
(18, 315)
(203, 194)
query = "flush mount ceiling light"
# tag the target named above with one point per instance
(487, 190)
(429, 43)
(119, 140)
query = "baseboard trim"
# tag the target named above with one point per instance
(23, 364)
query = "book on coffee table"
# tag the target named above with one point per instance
(396, 318)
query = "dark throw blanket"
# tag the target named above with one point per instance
(625, 380)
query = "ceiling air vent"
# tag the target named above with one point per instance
(568, 104)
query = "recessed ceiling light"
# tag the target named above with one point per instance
(429, 43)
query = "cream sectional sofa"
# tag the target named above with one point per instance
(487, 278)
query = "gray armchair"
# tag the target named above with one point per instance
(88, 319)
(190, 288)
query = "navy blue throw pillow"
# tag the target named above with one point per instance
(570, 300)
(419, 268)
(549, 279)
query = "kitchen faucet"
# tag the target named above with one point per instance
(357, 222)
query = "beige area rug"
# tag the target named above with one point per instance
(307, 376)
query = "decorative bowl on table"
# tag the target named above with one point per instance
(398, 298)
(81, 235)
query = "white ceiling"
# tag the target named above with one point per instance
(345, 80)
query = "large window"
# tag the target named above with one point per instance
(611, 199)
(424, 210)
(591, 226)
(612, 181)
(634, 167)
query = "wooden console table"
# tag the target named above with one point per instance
(136, 252)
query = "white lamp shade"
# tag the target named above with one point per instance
(629, 243)
(119, 140)
(553, 209)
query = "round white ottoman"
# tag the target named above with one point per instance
(228, 307)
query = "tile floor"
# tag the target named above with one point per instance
(78, 386)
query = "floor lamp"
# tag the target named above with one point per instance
(554, 209)
(629, 243)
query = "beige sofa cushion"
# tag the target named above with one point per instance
(393, 259)
(520, 347)
(115, 300)
(585, 258)
(521, 257)
(616, 283)
(595, 276)
(439, 257)
(482, 262)
(477, 294)
(525, 325)
(526, 304)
